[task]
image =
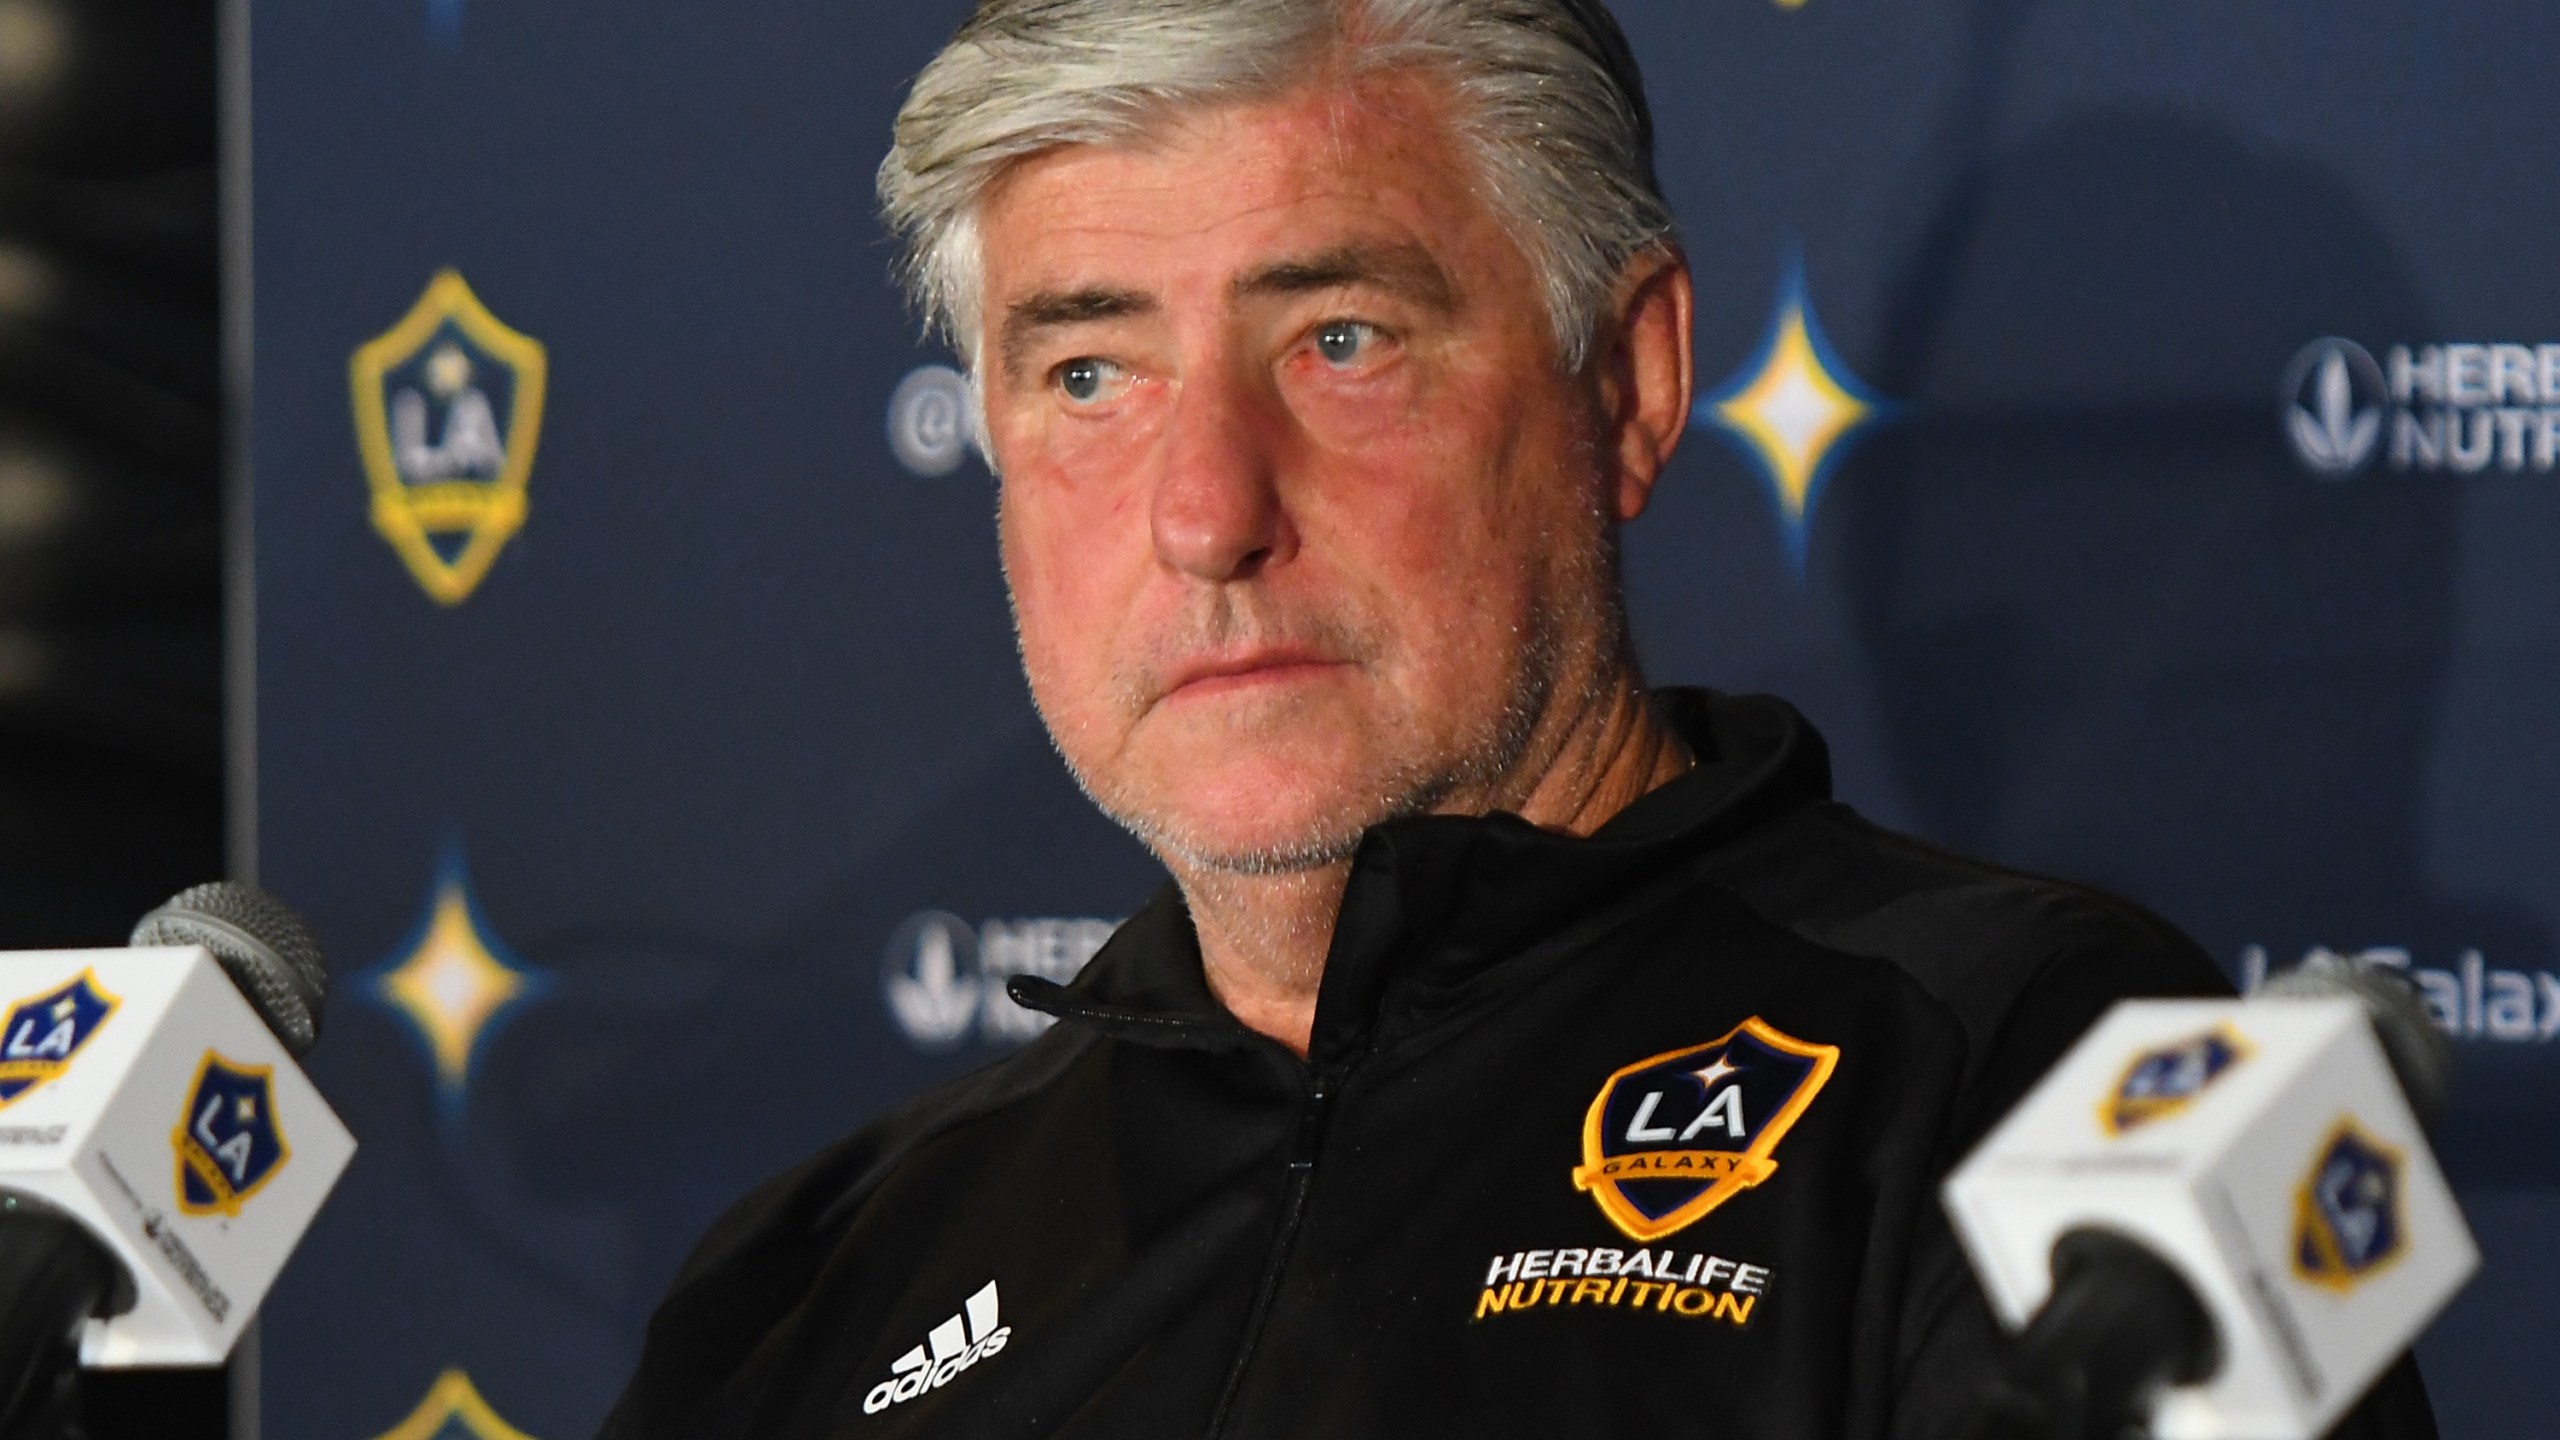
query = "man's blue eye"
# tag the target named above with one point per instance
(1340, 343)
(1081, 379)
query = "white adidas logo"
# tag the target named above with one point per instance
(954, 1346)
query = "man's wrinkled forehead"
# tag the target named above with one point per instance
(1328, 188)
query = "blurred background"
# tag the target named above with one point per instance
(111, 447)
(112, 435)
(464, 464)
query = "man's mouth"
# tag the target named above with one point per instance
(1210, 675)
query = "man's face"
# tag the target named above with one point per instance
(1303, 528)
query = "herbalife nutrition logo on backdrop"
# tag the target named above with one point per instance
(2459, 407)
(2333, 412)
(944, 979)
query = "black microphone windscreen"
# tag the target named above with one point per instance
(268, 950)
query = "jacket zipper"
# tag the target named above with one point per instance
(1293, 1206)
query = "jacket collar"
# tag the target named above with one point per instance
(1434, 901)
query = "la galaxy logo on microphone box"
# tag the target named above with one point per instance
(1672, 1137)
(44, 1031)
(2163, 1081)
(229, 1143)
(2347, 1220)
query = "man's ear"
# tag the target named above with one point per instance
(1646, 375)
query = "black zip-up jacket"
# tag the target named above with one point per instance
(1634, 1135)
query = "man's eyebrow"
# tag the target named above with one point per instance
(1405, 270)
(1026, 318)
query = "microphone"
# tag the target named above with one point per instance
(160, 1151)
(2217, 1219)
(260, 943)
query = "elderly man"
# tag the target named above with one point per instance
(1516, 1050)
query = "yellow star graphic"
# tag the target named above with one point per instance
(452, 983)
(1790, 409)
(448, 370)
(453, 1403)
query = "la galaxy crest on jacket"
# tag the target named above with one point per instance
(1634, 1134)
(1656, 1168)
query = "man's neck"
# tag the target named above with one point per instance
(1263, 938)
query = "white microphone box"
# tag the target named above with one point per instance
(141, 1093)
(2265, 1149)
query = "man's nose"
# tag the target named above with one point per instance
(1218, 512)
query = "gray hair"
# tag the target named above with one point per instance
(1546, 94)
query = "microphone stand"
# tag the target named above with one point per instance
(52, 1278)
(2120, 1326)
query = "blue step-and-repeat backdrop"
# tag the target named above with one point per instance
(2132, 432)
